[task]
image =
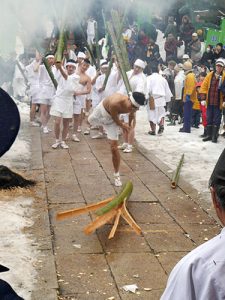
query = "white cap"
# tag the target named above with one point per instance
(140, 63)
(220, 61)
(103, 61)
(81, 55)
(186, 56)
(194, 34)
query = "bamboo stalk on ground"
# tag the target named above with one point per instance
(176, 174)
(119, 199)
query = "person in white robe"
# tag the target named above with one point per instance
(200, 275)
(90, 30)
(19, 84)
(47, 91)
(138, 83)
(62, 106)
(34, 89)
(99, 92)
(159, 94)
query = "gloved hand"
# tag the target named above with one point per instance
(203, 103)
(188, 98)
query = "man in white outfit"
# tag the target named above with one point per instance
(159, 94)
(62, 107)
(138, 83)
(200, 274)
(34, 89)
(47, 90)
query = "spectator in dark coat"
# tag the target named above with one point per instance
(186, 30)
(219, 52)
(208, 57)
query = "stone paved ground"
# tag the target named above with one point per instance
(92, 267)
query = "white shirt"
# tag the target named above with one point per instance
(179, 84)
(200, 275)
(47, 89)
(138, 83)
(158, 88)
(63, 100)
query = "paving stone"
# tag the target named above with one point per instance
(169, 259)
(135, 268)
(142, 294)
(167, 237)
(125, 240)
(186, 211)
(82, 273)
(148, 213)
(69, 236)
(200, 233)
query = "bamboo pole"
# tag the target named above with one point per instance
(176, 174)
(119, 57)
(61, 45)
(98, 55)
(111, 60)
(48, 69)
(118, 25)
(22, 72)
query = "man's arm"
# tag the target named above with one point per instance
(115, 116)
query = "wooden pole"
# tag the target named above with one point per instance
(176, 174)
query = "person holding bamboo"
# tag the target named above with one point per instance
(47, 89)
(107, 114)
(62, 107)
(80, 98)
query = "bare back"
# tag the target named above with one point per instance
(117, 104)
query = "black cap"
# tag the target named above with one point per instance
(3, 269)
(218, 174)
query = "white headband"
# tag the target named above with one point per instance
(50, 56)
(70, 64)
(133, 100)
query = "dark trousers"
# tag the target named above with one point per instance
(214, 115)
(196, 114)
(187, 116)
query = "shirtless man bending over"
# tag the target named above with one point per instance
(107, 114)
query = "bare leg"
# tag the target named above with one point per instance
(65, 130)
(131, 136)
(57, 127)
(76, 119)
(44, 114)
(32, 112)
(115, 155)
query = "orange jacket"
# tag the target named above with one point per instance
(206, 86)
(190, 87)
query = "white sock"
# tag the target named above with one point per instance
(117, 174)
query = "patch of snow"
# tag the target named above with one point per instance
(16, 250)
(199, 157)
